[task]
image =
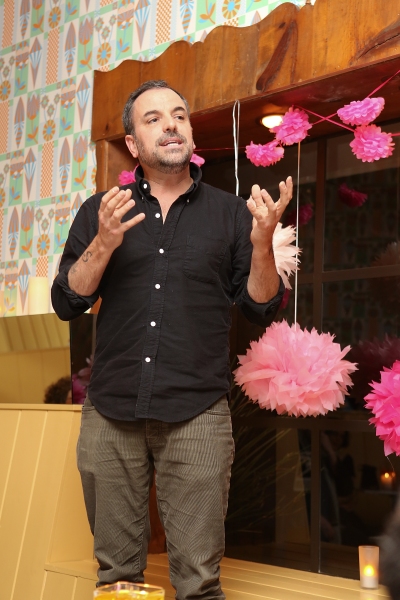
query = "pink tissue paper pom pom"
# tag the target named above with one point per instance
(384, 402)
(306, 212)
(361, 112)
(264, 155)
(285, 253)
(197, 160)
(127, 177)
(371, 143)
(296, 372)
(351, 197)
(293, 128)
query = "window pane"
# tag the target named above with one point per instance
(356, 496)
(361, 235)
(360, 313)
(268, 514)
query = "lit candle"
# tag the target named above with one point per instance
(387, 478)
(369, 562)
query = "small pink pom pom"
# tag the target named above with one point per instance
(384, 402)
(197, 160)
(127, 177)
(297, 372)
(351, 197)
(264, 155)
(306, 212)
(361, 112)
(371, 143)
(293, 128)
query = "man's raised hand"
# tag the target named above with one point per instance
(115, 204)
(267, 213)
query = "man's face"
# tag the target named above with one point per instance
(163, 134)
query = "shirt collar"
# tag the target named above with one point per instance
(144, 186)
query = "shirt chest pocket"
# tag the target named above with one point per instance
(203, 257)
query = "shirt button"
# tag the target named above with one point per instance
(187, 201)
(161, 251)
(157, 286)
(147, 359)
(153, 323)
(157, 215)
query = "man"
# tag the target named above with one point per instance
(168, 255)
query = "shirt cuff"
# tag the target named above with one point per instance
(75, 301)
(261, 313)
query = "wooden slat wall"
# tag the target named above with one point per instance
(42, 514)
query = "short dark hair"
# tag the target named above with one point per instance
(147, 85)
(57, 392)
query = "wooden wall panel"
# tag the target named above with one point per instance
(8, 433)
(18, 496)
(58, 587)
(84, 589)
(43, 504)
(71, 538)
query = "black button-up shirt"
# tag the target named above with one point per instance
(162, 338)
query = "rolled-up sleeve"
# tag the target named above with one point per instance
(258, 313)
(66, 303)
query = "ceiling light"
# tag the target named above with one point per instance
(271, 120)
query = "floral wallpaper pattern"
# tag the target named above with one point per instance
(49, 50)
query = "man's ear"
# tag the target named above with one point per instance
(132, 147)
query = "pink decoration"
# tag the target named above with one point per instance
(127, 177)
(264, 156)
(197, 160)
(361, 112)
(297, 372)
(371, 143)
(293, 128)
(285, 299)
(306, 212)
(351, 197)
(384, 402)
(285, 253)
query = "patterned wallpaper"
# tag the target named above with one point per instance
(49, 50)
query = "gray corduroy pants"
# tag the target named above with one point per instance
(192, 460)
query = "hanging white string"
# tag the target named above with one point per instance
(236, 140)
(297, 229)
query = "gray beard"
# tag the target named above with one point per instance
(171, 165)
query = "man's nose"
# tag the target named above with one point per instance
(169, 124)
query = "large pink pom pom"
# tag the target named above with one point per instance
(384, 401)
(264, 155)
(127, 177)
(361, 112)
(351, 197)
(197, 160)
(285, 253)
(371, 143)
(293, 128)
(296, 372)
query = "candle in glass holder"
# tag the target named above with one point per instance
(369, 565)
(387, 479)
(124, 590)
